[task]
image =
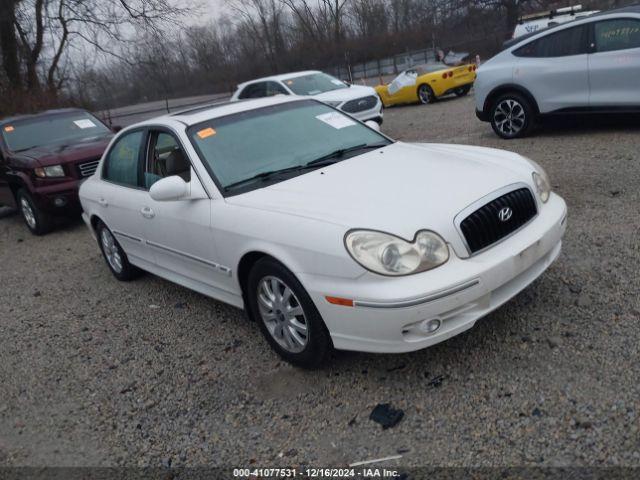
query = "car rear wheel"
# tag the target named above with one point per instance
(512, 116)
(36, 220)
(114, 255)
(286, 315)
(425, 94)
(462, 91)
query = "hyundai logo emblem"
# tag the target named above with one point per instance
(505, 214)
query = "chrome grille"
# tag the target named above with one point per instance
(87, 169)
(484, 227)
(360, 104)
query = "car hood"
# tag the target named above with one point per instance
(344, 94)
(68, 153)
(400, 189)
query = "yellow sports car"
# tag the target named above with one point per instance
(426, 83)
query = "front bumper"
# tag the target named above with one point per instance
(60, 199)
(482, 116)
(388, 312)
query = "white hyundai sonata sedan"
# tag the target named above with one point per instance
(331, 234)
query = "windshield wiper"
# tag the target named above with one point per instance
(264, 176)
(25, 149)
(341, 152)
(317, 163)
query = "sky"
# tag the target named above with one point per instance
(211, 9)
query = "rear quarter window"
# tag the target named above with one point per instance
(255, 90)
(618, 34)
(571, 41)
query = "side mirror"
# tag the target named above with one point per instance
(116, 128)
(373, 125)
(169, 189)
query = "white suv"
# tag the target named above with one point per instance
(359, 101)
(589, 65)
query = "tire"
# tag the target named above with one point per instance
(462, 91)
(512, 116)
(36, 220)
(299, 337)
(114, 255)
(425, 94)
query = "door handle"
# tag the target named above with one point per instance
(147, 212)
(103, 202)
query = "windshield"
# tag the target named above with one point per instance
(246, 145)
(427, 68)
(313, 84)
(52, 129)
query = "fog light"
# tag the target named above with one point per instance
(431, 326)
(60, 201)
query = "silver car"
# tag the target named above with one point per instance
(589, 65)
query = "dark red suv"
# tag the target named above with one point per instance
(43, 159)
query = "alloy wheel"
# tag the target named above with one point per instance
(111, 250)
(282, 314)
(424, 92)
(509, 117)
(28, 213)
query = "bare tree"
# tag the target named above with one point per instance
(53, 26)
(9, 43)
(265, 20)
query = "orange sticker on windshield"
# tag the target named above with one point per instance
(9, 129)
(289, 82)
(207, 132)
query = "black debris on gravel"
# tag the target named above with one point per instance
(386, 416)
(436, 381)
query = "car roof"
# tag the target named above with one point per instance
(196, 115)
(280, 77)
(46, 113)
(578, 21)
(628, 9)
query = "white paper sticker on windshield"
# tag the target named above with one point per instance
(84, 123)
(336, 120)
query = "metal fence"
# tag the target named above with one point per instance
(131, 114)
(385, 66)
(375, 69)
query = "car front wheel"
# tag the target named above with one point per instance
(512, 116)
(114, 255)
(36, 220)
(286, 314)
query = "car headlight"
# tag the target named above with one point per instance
(333, 104)
(542, 185)
(541, 181)
(387, 254)
(52, 171)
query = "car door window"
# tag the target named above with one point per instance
(122, 162)
(618, 34)
(274, 88)
(255, 90)
(165, 158)
(571, 41)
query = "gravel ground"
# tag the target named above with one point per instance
(97, 372)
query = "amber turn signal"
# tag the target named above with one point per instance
(345, 302)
